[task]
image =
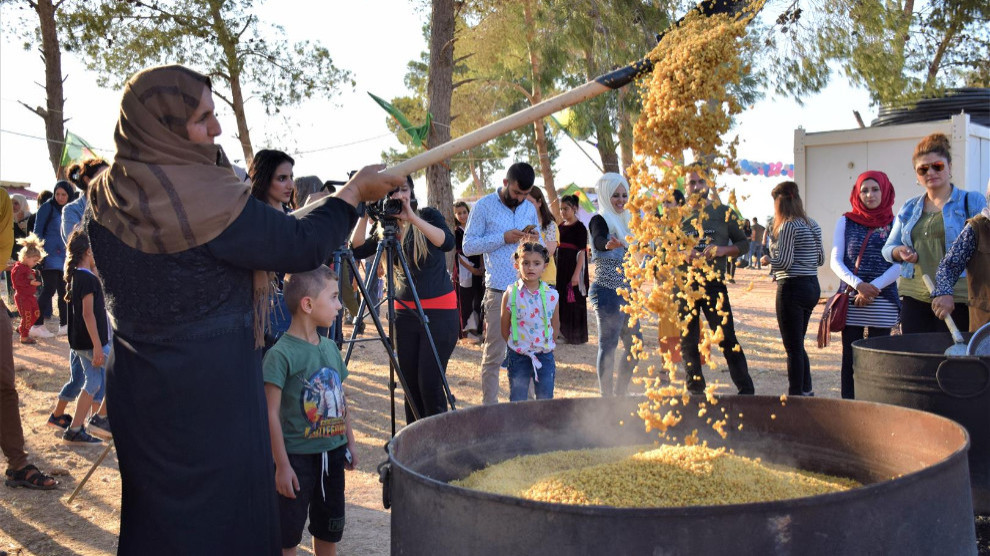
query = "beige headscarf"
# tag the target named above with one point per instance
(163, 193)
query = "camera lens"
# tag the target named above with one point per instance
(393, 207)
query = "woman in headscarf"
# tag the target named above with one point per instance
(182, 248)
(48, 226)
(609, 229)
(857, 260)
(23, 218)
(970, 252)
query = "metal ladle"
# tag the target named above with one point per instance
(957, 349)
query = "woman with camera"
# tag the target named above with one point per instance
(425, 238)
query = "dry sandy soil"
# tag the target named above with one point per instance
(44, 523)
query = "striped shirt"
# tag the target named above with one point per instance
(797, 249)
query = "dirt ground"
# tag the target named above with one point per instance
(44, 523)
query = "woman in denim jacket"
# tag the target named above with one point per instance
(924, 230)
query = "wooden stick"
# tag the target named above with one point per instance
(96, 464)
(529, 115)
(613, 80)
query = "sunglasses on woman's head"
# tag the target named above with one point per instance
(923, 169)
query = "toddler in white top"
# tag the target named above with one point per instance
(530, 321)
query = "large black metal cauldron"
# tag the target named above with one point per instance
(925, 509)
(911, 371)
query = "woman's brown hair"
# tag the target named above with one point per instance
(787, 205)
(80, 173)
(262, 170)
(546, 217)
(936, 143)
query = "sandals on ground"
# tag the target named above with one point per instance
(31, 477)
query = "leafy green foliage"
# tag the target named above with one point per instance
(245, 57)
(898, 49)
(474, 103)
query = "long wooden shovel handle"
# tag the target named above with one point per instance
(613, 80)
(96, 464)
(957, 336)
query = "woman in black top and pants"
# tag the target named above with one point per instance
(424, 246)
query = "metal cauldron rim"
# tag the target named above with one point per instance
(870, 490)
(859, 344)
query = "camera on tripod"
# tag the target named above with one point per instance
(386, 208)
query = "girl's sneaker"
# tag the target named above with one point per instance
(100, 426)
(63, 330)
(39, 331)
(80, 437)
(61, 422)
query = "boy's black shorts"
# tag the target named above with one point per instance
(326, 516)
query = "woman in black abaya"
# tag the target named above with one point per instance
(182, 248)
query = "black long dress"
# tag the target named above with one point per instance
(469, 299)
(573, 315)
(185, 393)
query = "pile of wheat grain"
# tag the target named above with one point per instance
(645, 477)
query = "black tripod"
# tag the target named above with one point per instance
(392, 249)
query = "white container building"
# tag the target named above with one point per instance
(826, 165)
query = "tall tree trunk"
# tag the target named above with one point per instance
(53, 113)
(476, 187)
(903, 36)
(625, 132)
(606, 142)
(236, 101)
(950, 35)
(606, 150)
(537, 97)
(603, 127)
(439, 88)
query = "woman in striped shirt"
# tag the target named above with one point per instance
(875, 306)
(795, 255)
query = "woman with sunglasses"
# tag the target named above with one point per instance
(924, 230)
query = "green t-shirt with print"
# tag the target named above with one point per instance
(313, 407)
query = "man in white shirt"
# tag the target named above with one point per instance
(494, 229)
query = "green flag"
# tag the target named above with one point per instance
(418, 134)
(75, 148)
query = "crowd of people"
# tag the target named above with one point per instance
(237, 330)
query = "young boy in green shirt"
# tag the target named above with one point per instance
(310, 430)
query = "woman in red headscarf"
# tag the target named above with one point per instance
(859, 237)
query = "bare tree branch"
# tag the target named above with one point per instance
(38, 111)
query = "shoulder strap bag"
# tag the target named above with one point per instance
(837, 307)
